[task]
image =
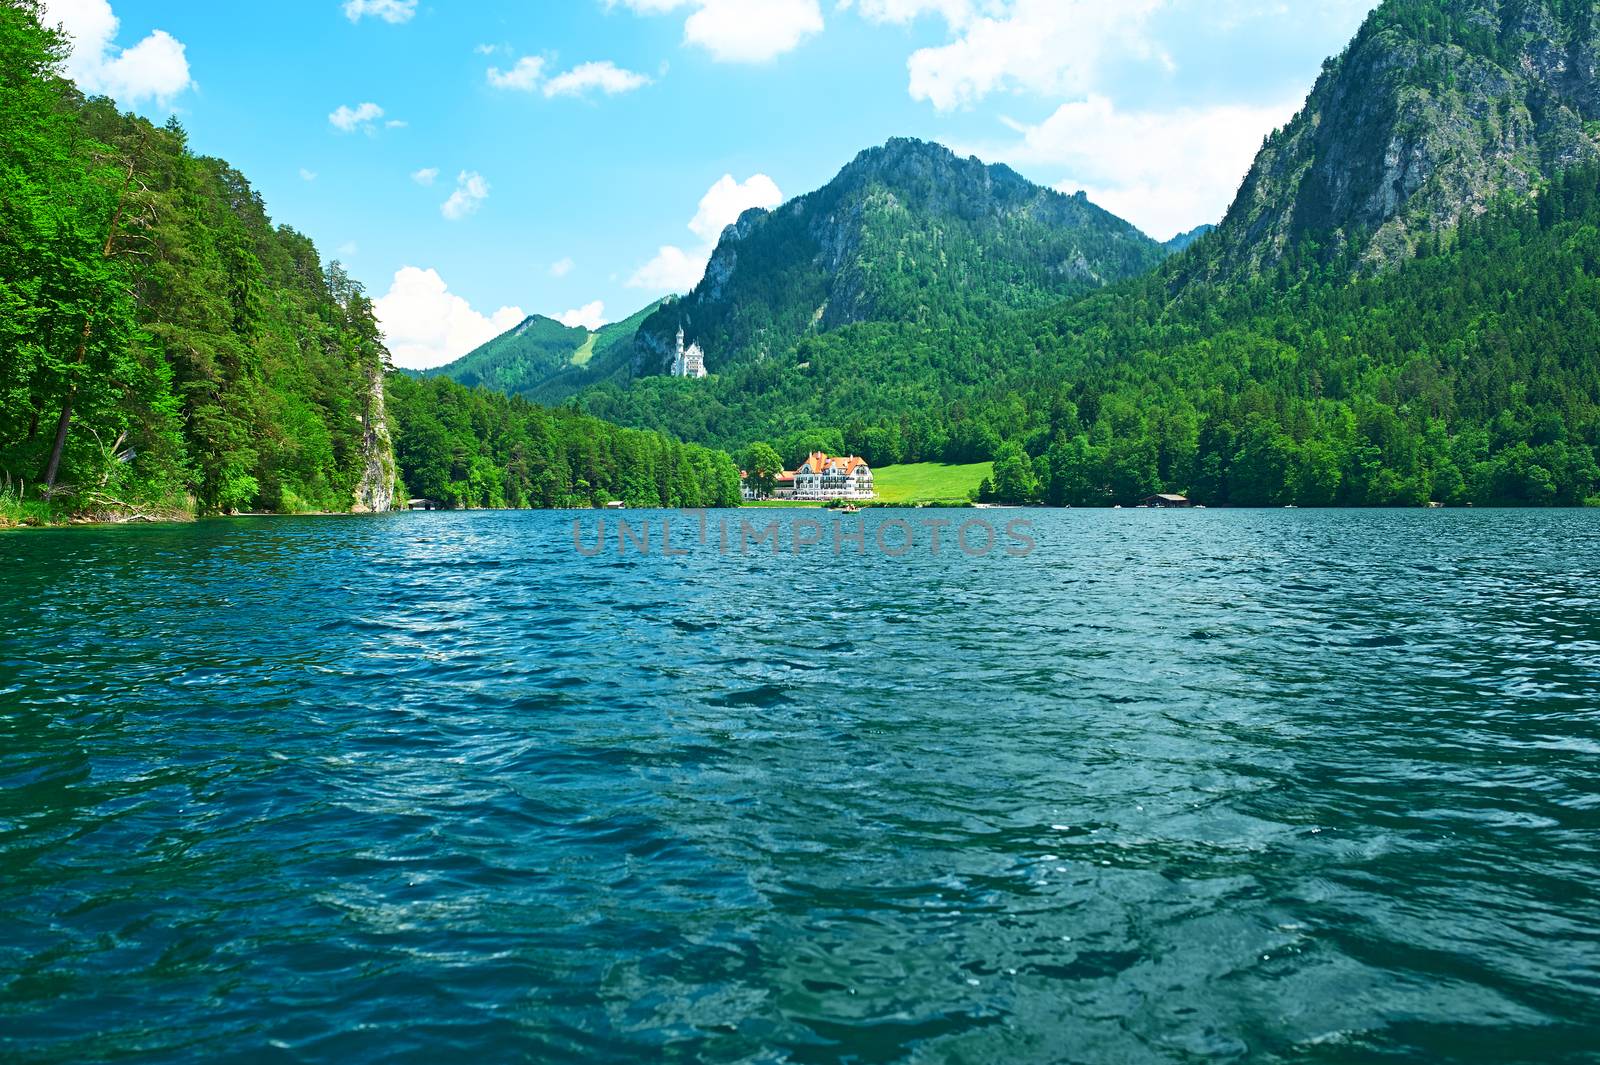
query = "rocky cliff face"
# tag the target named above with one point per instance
(906, 232)
(375, 492)
(1436, 109)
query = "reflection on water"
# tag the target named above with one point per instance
(1279, 786)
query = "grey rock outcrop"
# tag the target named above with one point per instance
(375, 492)
(1434, 111)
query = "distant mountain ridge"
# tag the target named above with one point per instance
(907, 232)
(1184, 241)
(1435, 110)
(543, 360)
(534, 348)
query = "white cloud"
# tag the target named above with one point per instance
(391, 11)
(349, 249)
(471, 191)
(562, 267)
(672, 270)
(590, 317)
(426, 325)
(604, 77)
(348, 119)
(740, 31)
(675, 270)
(307, 175)
(426, 176)
(752, 31)
(1048, 47)
(1064, 48)
(722, 205)
(487, 49)
(157, 68)
(396, 123)
(955, 12)
(523, 77)
(1166, 172)
(528, 75)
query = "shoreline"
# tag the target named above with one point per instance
(7, 526)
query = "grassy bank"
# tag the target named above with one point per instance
(17, 511)
(930, 482)
(93, 508)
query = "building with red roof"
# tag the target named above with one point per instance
(823, 477)
(820, 479)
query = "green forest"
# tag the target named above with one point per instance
(1471, 375)
(163, 346)
(476, 448)
(167, 351)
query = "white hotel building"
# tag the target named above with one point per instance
(821, 479)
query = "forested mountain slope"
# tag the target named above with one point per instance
(1436, 110)
(906, 233)
(545, 361)
(165, 350)
(536, 348)
(162, 343)
(1468, 375)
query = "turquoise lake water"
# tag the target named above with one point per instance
(1171, 786)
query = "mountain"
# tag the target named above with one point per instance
(609, 359)
(1183, 241)
(543, 360)
(1400, 307)
(537, 348)
(1437, 109)
(905, 233)
(1467, 376)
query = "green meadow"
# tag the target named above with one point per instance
(930, 482)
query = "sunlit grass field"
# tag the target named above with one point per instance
(929, 482)
(921, 482)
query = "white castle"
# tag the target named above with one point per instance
(690, 361)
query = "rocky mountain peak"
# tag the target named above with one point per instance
(905, 231)
(1437, 108)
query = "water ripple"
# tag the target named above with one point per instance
(1227, 786)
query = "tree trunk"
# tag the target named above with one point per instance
(54, 465)
(50, 469)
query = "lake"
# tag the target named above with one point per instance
(1155, 786)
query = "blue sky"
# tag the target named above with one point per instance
(474, 160)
